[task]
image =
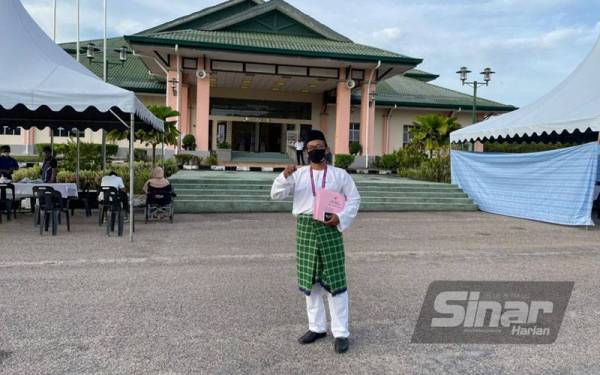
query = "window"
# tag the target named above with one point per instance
(62, 132)
(5, 130)
(260, 108)
(221, 131)
(406, 137)
(354, 132)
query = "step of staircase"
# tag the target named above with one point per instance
(206, 192)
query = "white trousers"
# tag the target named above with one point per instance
(338, 311)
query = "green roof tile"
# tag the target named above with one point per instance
(272, 44)
(132, 75)
(409, 92)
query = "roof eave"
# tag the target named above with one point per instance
(139, 39)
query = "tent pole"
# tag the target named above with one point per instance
(131, 173)
(105, 77)
(103, 150)
(162, 145)
(78, 160)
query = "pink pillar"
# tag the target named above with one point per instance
(384, 133)
(478, 147)
(202, 112)
(342, 115)
(323, 123)
(367, 140)
(184, 111)
(28, 137)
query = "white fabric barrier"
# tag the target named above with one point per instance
(552, 186)
(66, 190)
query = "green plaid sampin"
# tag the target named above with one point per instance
(319, 256)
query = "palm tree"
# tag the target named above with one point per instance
(153, 137)
(432, 132)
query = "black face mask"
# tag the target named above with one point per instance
(316, 156)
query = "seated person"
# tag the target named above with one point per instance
(157, 180)
(113, 180)
(50, 166)
(8, 164)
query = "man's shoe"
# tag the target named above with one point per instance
(341, 344)
(309, 337)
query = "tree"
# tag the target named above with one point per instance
(153, 137)
(432, 132)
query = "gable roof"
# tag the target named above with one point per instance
(204, 16)
(409, 92)
(281, 7)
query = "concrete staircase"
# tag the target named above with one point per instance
(206, 192)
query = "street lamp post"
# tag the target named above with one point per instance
(487, 77)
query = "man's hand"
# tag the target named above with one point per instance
(334, 221)
(289, 170)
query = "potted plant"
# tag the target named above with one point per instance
(223, 151)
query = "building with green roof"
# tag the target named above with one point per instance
(254, 75)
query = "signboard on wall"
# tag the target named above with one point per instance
(291, 137)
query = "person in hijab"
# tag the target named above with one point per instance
(157, 180)
(320, 259)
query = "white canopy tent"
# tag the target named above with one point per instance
(42, 86)
(570, 112)
(553, 186)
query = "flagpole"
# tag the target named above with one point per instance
(53, 39)
(54, 24)
(78, 52)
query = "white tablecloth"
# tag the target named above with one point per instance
(25, 190)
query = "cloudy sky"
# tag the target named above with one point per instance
(531, 44)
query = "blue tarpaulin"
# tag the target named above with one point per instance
(552, 186)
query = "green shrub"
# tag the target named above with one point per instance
(436, 169)
(170, 167)
(409, 157)
(189, 142)
(524, 147)
(343, 160)
(355, 148)
(210, 160)
(28, 159)
(140, 154)
(182, 159)
(223, 145)
(93, 179)
(387, 161)
(63, 148)
(32, 173)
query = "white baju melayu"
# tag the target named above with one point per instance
(299, 185)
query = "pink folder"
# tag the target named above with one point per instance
(327, 201)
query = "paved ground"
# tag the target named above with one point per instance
(217, 294)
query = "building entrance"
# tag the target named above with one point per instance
(256, 137)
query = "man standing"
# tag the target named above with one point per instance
(50, 166)
(299, 145)
(319, 247)
(8, 164)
